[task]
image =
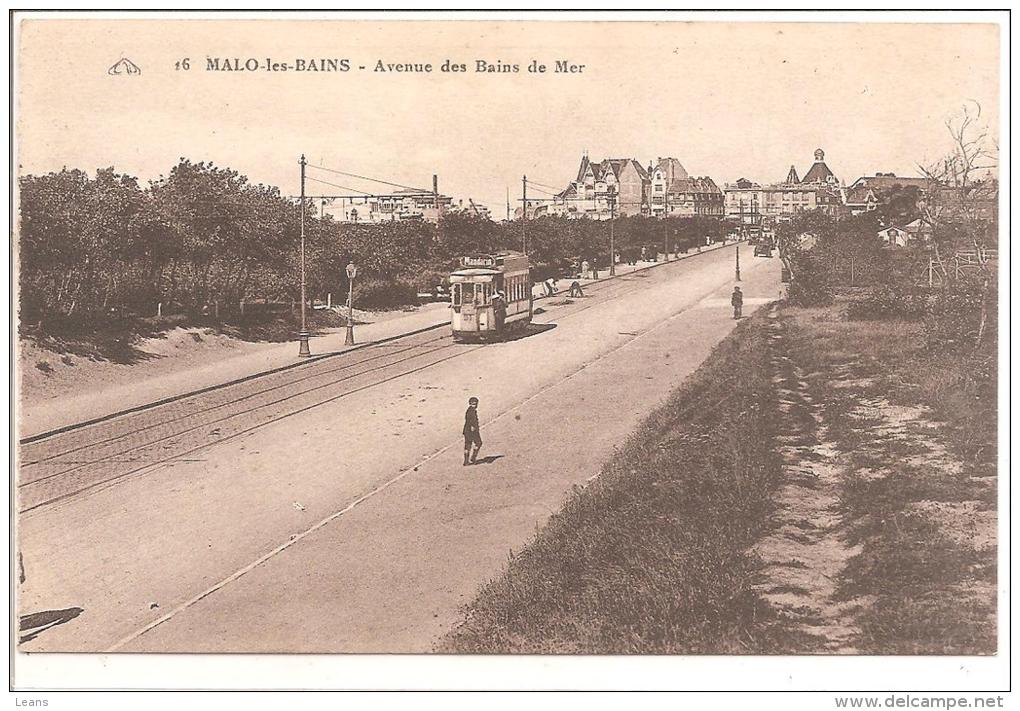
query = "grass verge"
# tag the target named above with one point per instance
(651, 557)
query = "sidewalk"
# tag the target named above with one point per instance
(37, 417)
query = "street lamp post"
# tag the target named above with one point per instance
(738, 262)
(303, 350)
(352, 271)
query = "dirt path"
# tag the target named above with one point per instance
(808, 549)
(884, 537)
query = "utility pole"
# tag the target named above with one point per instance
(435, 197)
(303, 350)
(524, 215)
(665, 223)
(612, 238)
(737, 278)
(507, 203)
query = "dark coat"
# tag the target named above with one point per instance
(471, 421)
(737, 299)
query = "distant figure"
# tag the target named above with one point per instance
(737, 299)
(594, 269)
(472, 435)
(585, 269)
(575, 289)
(499, 308)
(644, 254)
(550, 287)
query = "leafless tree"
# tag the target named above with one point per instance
(955, 190)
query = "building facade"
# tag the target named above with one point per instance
(402, 205)
(674, 193)
(614, 186)
(818, 190)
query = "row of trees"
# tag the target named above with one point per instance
(202, 235)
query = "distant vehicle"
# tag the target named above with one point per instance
(477, 312)
(763, 249)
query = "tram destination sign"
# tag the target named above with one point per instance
(480, 261)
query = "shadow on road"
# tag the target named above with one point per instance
(38, 622)
(533, 329)
(490, 459)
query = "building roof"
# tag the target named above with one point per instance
(886, 181)
(694, 185)
(673, 169)
(819, 172)
(860, 195)
(791, 177)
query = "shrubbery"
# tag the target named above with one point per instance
(381, 294)
(812, 285)
(889, 302)
(953, 318)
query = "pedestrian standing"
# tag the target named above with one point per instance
(594, 268)
(585, 269)
(737, 299)
(472, 433)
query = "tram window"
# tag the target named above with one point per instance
(456, 294)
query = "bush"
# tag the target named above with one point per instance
(375, 293)
(954, 316)
(889, 302)
(811, 284)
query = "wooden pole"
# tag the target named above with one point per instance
(303, 350)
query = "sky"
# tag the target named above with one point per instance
(729, 100)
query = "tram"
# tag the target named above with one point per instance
(490, 296)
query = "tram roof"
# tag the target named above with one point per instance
(475, 271)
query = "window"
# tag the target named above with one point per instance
(456, 295)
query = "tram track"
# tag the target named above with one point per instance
(109, 451)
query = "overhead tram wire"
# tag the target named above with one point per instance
(535, 182)
(364, 177)
(537, 190)
(341, 187)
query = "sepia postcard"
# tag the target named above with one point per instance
(646, 347)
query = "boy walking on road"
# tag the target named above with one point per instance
(472, 434)
(737, 299)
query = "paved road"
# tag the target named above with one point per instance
(326, 509)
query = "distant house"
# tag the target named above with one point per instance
(894, 236)
(979, 200)
(403, 205)
(885, 182)
(860, 200)
(614, 186)
(674, 193)
(919, 230)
